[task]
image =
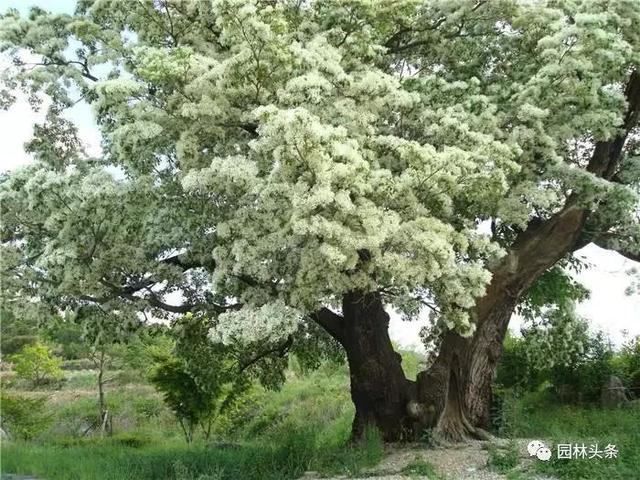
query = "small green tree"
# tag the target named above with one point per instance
(37, 364)
(191, 404)
(201, 380)
(24, 417)
(90, 333)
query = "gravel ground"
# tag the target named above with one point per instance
(456, 462)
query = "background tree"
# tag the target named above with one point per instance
(37, 364)
(91, 334)
(200, 380)
(572, 372)
(24, 417)
(284, 165)
(15, 333)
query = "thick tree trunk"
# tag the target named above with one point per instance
(535, 250)
(381, 393)
(379, 388)
(479, 356)
(472, 362)
(453, 395)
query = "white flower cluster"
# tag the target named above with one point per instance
(248, 325)
(305, 152)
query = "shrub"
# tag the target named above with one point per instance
(131, 440)
(514, 370)
(148, 407)
(78, 364)
(16, 332)
(37, 364)
(427, 438)
(577, 379)
(182, 472)
(76, 418)
(16, 343)
(192, 405)
(23, 417)
(581, 380)
(626, 365)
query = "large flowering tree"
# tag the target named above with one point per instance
(292, 168)
(569, 70)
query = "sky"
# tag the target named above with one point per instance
(61, 6)
(608, 308)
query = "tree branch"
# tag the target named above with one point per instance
(154, 301)
(607, 154)
(393, 43)
(187, 262)
(84, 67)
(331, 322)
(281, 350)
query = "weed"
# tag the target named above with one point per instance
(503, 459)
(419, 467)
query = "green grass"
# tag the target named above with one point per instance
(103, 461)
(274, 435)
(419, 468)
(76, 379)
(313, 400)
(590, 425)
(281, 434)
(503, 459)
(537, 418)
(285, 457)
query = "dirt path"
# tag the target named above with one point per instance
(457, 462)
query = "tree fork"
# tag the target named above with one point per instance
(535, 250)
(473, 361)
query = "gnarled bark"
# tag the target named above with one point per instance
(453, 395)
(473, 360)
(379, 389)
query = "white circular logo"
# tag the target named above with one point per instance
(543, 454)
(538, 449)
(534, 446)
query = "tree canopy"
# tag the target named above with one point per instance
(262, 159)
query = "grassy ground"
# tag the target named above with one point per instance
(291, 456)
(274, 435)
(535, 417)
(281, 434)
